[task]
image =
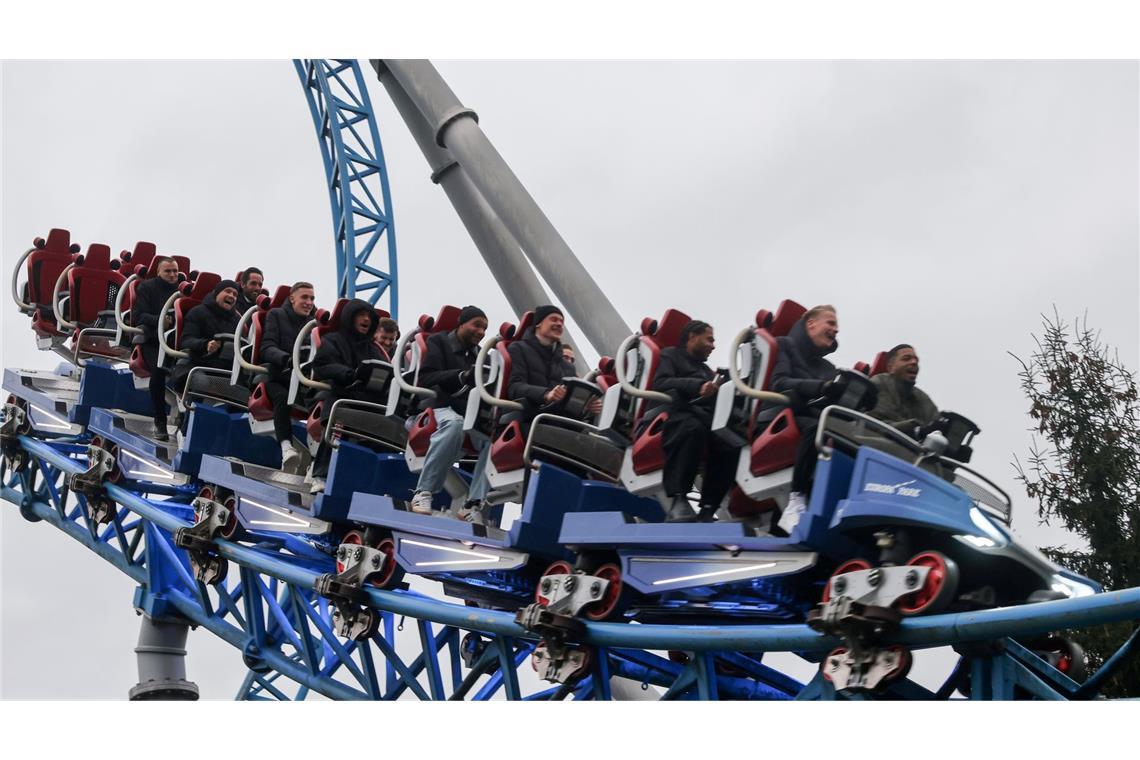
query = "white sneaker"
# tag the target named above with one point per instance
(475, 513)
(421, 503)
(318, 485)
(290, 458)
(797, 505)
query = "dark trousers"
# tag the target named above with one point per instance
(157, 389)
(687, 440)
(806, 455)
(278, 393)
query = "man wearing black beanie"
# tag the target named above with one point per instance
(537, 365)
(201, 329)
(448, 368)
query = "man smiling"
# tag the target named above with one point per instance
(901, 404)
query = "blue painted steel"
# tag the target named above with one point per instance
(270, 613)
(356, 177)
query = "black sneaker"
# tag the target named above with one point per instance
(680, 511)
(160, 433)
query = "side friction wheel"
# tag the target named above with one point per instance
(232, 526)
(850, 566)
(390, 572)
(615, 599)
(557, 568)
(938, 591)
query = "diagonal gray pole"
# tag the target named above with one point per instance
(456, 128)
(499, 249)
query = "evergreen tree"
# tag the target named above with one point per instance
(1086, 472)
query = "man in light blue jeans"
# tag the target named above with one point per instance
(448, 368)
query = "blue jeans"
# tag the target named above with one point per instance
(444, 450)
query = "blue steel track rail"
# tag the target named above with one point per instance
(283, 629)
(356, 178)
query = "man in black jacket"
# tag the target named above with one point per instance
(252, 282)
(803, 374)
(538, 367)
(280, 332)
(205, 330)
(448, 369)
(340, 362)
(150, 296)
(683, 374)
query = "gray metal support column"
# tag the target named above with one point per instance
(161, 654)
(456, 128)
(498, 247)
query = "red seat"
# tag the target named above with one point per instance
(92, 286)
(420, 433)
(646, 455)
(44, 266)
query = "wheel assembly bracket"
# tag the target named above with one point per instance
(198, 540)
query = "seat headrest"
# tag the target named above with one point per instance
(142, 254)
(506, 331)
(58, 240)
(98, 256)
(669, 327)
(203, 284)
(879, 365)
(606, 365)
(787, 314)
(764, 319)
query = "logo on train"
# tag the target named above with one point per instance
(899, 489)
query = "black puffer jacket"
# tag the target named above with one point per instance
(446, 359)
(150, 296)
(800, 371)
(280, 332)
(535, 369)
(681, 375)
(341, 352)
(202, 323)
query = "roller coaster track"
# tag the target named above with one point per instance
(356, 178)
(270, 613)
(432, 649)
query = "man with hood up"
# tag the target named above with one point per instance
(282, 325)
(340, 363)
(201, 331)
(803, 374)
(150, 296)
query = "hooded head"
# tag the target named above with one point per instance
(353, 318)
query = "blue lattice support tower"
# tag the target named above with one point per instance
(356, 178)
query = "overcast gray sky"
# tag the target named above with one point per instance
(945, 204)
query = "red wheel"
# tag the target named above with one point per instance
(850, 566)
(390, 572)
(354, 537)
(939, 589)
(906, 659)
(558, 568)
(611, 604)
(826, 666)
(230, 529)
(206, 492)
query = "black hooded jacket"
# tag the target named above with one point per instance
(341, 352)
(282, 326)
(535, 369)
(800, 371)
(150, 296)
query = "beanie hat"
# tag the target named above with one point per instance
(223, 285)
(542, 312)
(469, 313)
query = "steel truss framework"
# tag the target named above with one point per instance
(431, 649)
(356, 178)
